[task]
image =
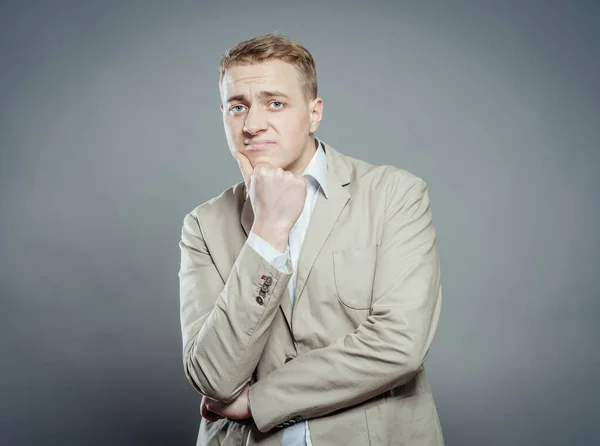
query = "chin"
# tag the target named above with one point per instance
(262, 157)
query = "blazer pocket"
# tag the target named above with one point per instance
(353, 271)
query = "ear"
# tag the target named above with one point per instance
(221, 107)
(316, 113)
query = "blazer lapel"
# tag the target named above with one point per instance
(247, 218)
(324, 217)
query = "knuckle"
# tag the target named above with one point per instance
(271, 171)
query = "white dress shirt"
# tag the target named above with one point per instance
(316, 175)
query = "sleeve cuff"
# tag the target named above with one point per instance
(269, 253)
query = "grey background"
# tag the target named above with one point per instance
(110, 132)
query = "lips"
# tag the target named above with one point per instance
(258, 145)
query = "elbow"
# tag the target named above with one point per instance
(416, 358)
(411, 364)
(209, 384)
(405, 374)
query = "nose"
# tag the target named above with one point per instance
(256, 121)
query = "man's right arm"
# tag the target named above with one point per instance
(225, 326)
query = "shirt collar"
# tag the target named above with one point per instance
(317, 168)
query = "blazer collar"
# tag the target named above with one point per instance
(316, 171)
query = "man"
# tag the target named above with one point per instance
(310, 292)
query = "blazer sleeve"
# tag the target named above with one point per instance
(389, 348)
(224, 324)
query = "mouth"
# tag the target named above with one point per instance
(254, 146)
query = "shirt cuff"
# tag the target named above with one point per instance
(269, 253)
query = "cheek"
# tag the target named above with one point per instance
(231, 126)
(234, 140)
(293, 125)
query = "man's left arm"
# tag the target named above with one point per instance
(390, 346)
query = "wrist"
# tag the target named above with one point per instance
(276, 237)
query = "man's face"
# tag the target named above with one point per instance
(267, 116)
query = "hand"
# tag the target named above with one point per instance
(277, 198)
(214, 410)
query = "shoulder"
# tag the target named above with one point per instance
(394, 183)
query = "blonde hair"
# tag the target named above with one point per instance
(269, 47)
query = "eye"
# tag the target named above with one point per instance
(237, 108)
(276, 105)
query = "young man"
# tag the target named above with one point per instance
(310, 292)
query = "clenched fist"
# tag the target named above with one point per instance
(277, 198)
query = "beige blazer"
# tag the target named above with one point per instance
(349, 357)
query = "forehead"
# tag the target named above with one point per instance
(272, 74)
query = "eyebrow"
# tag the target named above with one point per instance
(262, 95)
